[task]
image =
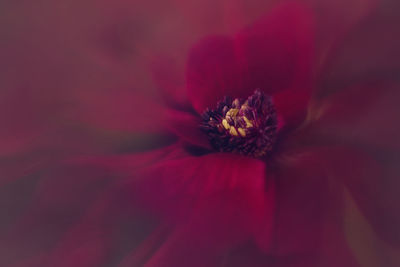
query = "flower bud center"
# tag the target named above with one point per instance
(246, 127)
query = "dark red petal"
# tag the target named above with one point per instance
(334, 252)
(112, 225)
(187, 127)
(363, 115)
(213, 72)
(370, 50)
(61, 200)
(93, 241)
(58, 202)
(309, 205)
(218, 224)
(215, 201)
(375, 188)
(335, 19)
(370, 177)
(139, 255)
(167, 183)
(277, 50)
(291, 106)
(276, 54)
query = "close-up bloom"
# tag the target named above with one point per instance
(273, 144)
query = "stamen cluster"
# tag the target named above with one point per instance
(246, 127)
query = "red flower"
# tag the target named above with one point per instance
(256, 180)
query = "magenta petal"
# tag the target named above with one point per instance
(64, 207)
(373, 183)
(276, 54)
(213, 72)
(334, 252)
(363, 115)
(174, 186)
(308, 202)
(370, 50)
(187, 127)
(205, 237)
(90, 241)
(277, 50)
(58, 202)
(292, 106)
(215, 201)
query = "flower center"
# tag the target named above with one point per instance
(247, 127)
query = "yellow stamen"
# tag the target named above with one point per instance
(233, 131)
(248, 122)
(225, 124)
(232, 112)
(241, 132)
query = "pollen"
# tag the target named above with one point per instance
(225, 124)
(242, 132)
(233, 131)
(232, 112)
(248, 122)
(244, 126)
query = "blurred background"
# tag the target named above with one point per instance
(75, 77)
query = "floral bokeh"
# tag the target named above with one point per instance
(93, 99)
